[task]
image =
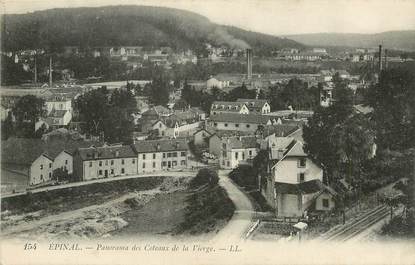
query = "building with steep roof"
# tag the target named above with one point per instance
(294, 183)
(260, 106)
(240, 122)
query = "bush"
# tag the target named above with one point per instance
(245, 176)
(203, 177)
(206, 210)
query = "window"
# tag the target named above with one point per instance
(174, 163)
(133, 161)
(112, 162)
(164, 155)
(122, 170)
(248, 125)
(154, 156)
(183, 153)
(224, 146)
(144, 156)
(100, 172)
(174, 154)
(50, 175)
(50, 165)
(122, 161)
(302, 162)
(168, 154)
(226, 125)
(41, 166)
(325, 203)
(163, 164)
(41, 177)
(106, 162)
(90, 164)
(100, 163)
(154, 164)
(215, 124)
(236, 125)
(183, 162)
(250, 152)
(144, 165)
(236, 155)
(243, 156)
(301, 177)
(66, 162)
(228, 164)
(112, 171)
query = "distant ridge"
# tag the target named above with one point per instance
(398, 40)
(127, 25)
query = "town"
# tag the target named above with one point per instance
(313, 142)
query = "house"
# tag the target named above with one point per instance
(157, 155)
(181, 124)
(201, 137)
(215, 140)
(105, 161)
(217, 82)
(260, 106)
(294, 183)
(39, 159)
(228, 107)
(240, 122)
(59, 118)
(237, 150)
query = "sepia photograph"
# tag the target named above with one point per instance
(207, 132)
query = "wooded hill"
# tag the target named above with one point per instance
(130, 26)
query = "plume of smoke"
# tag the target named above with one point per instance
(221, 36)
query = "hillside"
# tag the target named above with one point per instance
(397, 40)
(126, 25)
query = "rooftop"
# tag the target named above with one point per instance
(242, 118)
(154, 146)
(306, 187)
(106, 152)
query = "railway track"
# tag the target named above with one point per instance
(357, 226)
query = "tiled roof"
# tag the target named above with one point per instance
(279, 129)
(160, 145)
(306, 187)
(256, 102)
(26, 150)
(227, 106)
(242, 118)
(106, 152)
(243, 142)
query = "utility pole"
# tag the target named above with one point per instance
(50, 72)
(35, 68)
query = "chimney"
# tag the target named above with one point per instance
(249, 63)
(385, 62)
(50, 72)
(380, 58)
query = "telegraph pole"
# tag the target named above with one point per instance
(50, 72)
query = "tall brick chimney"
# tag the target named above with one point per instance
(380, 58)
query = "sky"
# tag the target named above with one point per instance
(277, 17)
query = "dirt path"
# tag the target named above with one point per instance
(241, 221)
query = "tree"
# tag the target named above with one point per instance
(393, 101)
(124, 99)
(61, 175)
(338, 140)
(205, 176)
(27, 111)
(159, 94)
(93, 108)
(240, 92)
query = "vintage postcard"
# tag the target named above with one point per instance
(207, 132)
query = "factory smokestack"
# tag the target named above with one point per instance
(249, 63)
(385, 62)
(380, 58)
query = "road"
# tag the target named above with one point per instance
(183, 173)
(241, 221)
